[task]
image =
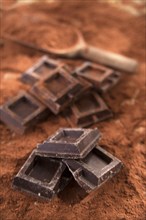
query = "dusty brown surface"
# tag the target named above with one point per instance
(122, 198)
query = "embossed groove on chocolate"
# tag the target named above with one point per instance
(22, 111)
(95, 169)
(88, 110)
(41, 176)
(57, 90)
(69, 143)
(103, 78)
(39, 70)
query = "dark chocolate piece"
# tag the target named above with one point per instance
(57, 90)
(88, 110)
(65, 179)
(22, 111)
(95, 169)
(103, 78)
(110, 82)
(69, 143)
(41, 176)
(39, 70)
(86, 85)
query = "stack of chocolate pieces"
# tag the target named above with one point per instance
(66, 154)
(55, 88)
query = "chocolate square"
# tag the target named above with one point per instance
(87, 110)
(69, 143)
(41, 176)
(95, 169)
(57, 90)
(39, 70)
(101, 77)
(22, 111)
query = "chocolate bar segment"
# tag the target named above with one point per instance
(95, 169)
(110, 82)
(65, 179)
(103, 78)
(88, 110)
(22, 111)
(57, 90)
(85, 85)
(40, 176)
(39, 70)
(69, 143)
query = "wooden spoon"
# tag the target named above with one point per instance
(82, 49)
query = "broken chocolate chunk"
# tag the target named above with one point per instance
(86, 85)
(88, 110)
(22, 111)
(39, 70)
(57, 90)
(101, 77)
(95, 169)
(110, 82)
(69, 143)
(41, 176)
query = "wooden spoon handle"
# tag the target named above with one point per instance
(109, 59)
